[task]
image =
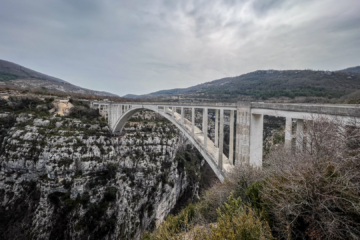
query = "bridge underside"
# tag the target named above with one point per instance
(209, 153)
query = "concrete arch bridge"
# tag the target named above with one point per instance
(247, 130)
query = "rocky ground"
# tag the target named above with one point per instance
(67, 177)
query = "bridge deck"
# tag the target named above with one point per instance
(350, 110)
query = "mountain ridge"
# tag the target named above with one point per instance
(272, 83)
(20, 77)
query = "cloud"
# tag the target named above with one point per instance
(145, 46)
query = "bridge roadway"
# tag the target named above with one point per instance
(249, 125)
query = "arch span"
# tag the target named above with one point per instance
(120, 123)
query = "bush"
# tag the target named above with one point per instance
(174, 225)
(84, 112)
(314, 194)
(237, 221)
(234, 221)
(110, 194)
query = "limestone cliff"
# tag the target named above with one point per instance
(67, 177)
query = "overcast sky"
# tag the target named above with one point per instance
(138, 47)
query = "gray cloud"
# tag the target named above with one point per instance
(144, 46)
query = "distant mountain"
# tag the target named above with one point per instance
(352, 70)
(20, 77)
(265, 84)
(175, 91)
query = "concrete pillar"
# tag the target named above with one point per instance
(288, 133)
(256, 140)
(117, 111)
(300, 134)
(173, 112)
(308, 140)
(109, 115)
(112, 110)
(182, 115)
(217, 128)
(205, 128)
(221, 140)
(121, 110)
(193, 121)
(231, 139)
(114, 114)
(242, 145)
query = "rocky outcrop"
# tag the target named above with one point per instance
(65, 178)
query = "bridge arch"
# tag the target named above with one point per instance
(118, 126)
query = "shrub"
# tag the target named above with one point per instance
(174, 225)
(237, 221)
(314, 194)
(110, 194)
(234, 221)
(84, 113)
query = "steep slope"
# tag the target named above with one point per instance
(272, 83)
(17, 76)
(67, 177)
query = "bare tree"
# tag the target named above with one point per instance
(314, 193)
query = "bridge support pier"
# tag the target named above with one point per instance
(299, 134)
(182, 115)
(221, 140)
(242, 147)
(216, 127)
(205, 126)
(256, 139)
(288, 132)
(193, 121)
(231, 139)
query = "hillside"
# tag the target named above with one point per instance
(20, 77)
(352, 70)
(265, 84)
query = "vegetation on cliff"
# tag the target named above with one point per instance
(310, 194)
(64, 177)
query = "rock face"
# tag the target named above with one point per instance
(66, 178)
